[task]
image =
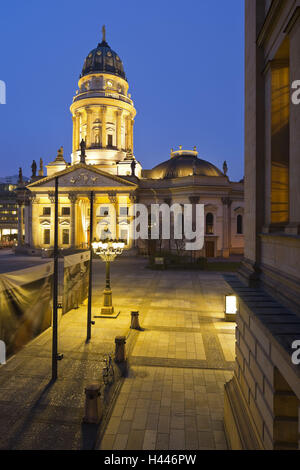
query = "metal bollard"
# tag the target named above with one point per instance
(120, 342)
(135, 325)
(92, 404)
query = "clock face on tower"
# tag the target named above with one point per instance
(109, 83)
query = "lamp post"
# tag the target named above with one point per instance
(108, 251)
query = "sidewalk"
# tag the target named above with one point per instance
(173, 397)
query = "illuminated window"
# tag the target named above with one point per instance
(209, 223)
(109, 140)
(280, 135)
(65, 236)
(46, 210)
(65, 211)
(46, 236)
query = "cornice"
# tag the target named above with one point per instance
(77, 166)
(275, 64)
(270, 21)
(293, 21)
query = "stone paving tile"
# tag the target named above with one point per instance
(190, 420)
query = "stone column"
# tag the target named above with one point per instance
(226, 226)
(119, 120)
(30, 237)
(74, 132)
(194, 200)
(73, 199)
(294, 164)
(20, 223)
(88, 127)
(34, 222)
(131, 134)
(103, 123)
(113, 199)
(51, 196)
(268, 147)
(26, 216)
(127, 138)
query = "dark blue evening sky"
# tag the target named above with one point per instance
(184, 61)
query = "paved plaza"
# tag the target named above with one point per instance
(172, 397)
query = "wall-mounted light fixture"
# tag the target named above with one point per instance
(231, 307)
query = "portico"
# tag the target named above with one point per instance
(76, 185)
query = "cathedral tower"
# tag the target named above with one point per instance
(103, 112)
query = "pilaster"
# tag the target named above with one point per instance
(103, 126)
(119, 121)
(88, 127)
(226, 226)
(73, 199)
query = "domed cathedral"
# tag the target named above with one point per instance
(103, 166)
(103, 113)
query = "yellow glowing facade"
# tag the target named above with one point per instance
(76, 184)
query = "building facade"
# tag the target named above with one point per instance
(103, 164)
(262, 400)
(8, 212)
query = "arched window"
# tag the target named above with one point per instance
(239, 224)
(209, 224)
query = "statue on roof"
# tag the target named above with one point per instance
(20, 179)
(82, 151)
(33, 169)
(41, 170)
(225, 168)
(133, 165)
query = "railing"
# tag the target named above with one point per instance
(104, 94)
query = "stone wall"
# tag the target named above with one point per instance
(266, 385)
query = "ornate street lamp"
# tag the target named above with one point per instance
(108, 250)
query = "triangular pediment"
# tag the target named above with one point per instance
(83, 176)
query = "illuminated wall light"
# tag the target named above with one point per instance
(231, 307)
